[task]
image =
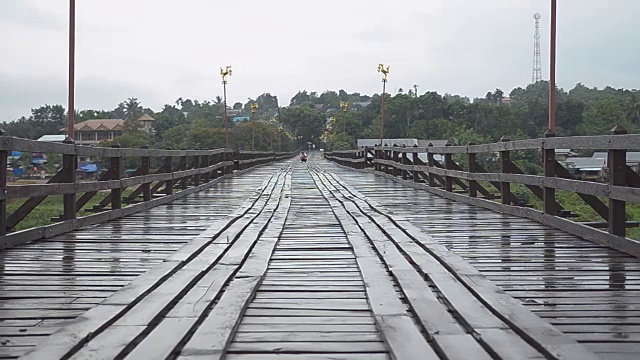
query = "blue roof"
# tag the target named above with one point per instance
(89, 168)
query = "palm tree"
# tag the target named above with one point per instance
(489, 97)
(132, 109)
(132, 112)
(218, 102)
(497, 97)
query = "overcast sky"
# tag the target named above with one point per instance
(159, 50)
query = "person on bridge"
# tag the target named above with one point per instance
(303, 157)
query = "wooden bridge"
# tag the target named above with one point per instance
(233, 255)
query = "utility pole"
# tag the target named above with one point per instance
(224, 73)
(345, 107)
(385, 73)
(254, 106)
(72, 51)
(552, 70)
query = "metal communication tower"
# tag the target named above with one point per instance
(537, 65)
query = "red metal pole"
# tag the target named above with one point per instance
(552, 70)
(72, 49)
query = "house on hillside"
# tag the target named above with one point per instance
(147, 123)
(595, 168)
(564, 154)
(91, 132)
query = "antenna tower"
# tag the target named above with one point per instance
(537, 65)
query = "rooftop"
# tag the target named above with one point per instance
(146, 117)
(52, 138)
(100, 125)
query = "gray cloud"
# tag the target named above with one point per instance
(18, 95)
(18, 12)
(161, 50)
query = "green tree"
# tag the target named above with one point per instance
(303, 121)
(606, 114)
(132, 112)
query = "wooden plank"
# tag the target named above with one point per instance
(162, 340)
(306, 327)
(109, 344)
(306, 312)
(509, 310)
(214, 334)
(83, 331)
(513, 348)
(190, 309)
(459, 347)
(331, 356)
(392, 318)
(306, 337)
(307, 320)
(70, 338)
(315, 346)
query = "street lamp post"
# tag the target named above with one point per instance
(385, 73)
(344, 106)
(552, 70)
(72, 51)
(254, 107)
(224, 73)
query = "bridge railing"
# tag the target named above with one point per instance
(455, 172)
(158, 177)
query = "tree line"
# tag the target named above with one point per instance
(319, 118)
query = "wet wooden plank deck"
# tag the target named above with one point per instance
(46, 283)
(588, 291)
(305, 269)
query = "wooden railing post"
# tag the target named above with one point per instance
(414, 161)
(505, 186)
(4, 156)
(366, 157)
(168, 185)
(69, 164)
(182, 165)
(228, 156)
(236, 160)
(145, 164)
(472, 162)
(196, 166)
(376, 156)
(549, 169)
(431, 163)
(405, 161)
(214, 161)
(204, 162)
(448, 180)
(116, 166)
(395, 158)
(617, 166)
